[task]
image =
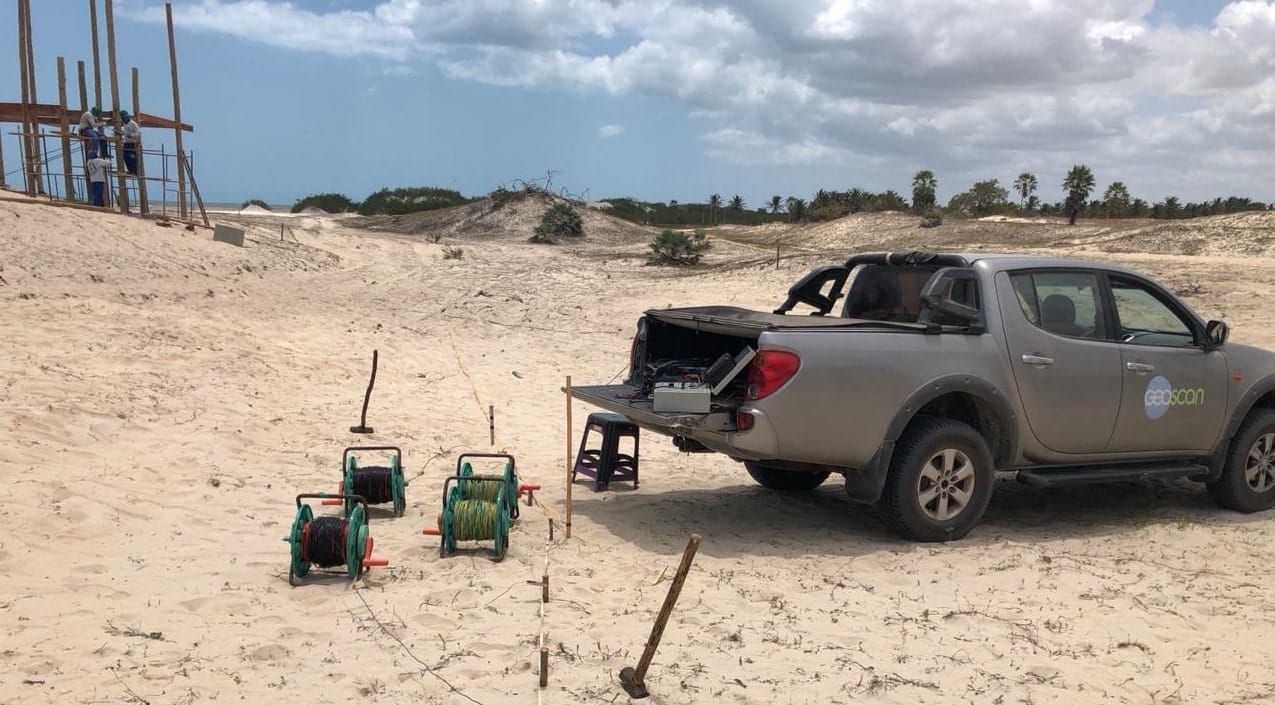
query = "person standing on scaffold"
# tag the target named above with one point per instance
(132, 135)
(92, 129)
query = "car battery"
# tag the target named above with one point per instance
(682, 397)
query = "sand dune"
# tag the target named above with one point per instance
(165, 397)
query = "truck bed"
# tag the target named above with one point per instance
(628, 401)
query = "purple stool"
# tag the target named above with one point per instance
(607, 464)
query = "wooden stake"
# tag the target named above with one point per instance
(544, 582)
(634, 680)
(776, 252)
(177, 114)
(64, 126)
(567, 522)
(491, 422)
(97, 57)
(115, 104)
(36, 142)
(143, 203)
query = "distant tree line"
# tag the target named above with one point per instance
(387, 201)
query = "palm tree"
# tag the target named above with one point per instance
(796, 209)
(737, 203)
(924, 190)
(1116, 199)
(714, 205)
(1025, 185)
(776, 203)
(1078, 185)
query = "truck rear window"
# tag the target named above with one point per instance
(889, 293)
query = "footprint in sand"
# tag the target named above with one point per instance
(269, 652)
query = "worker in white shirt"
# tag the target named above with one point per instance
(92, 129)
(132, 135)
(97, 169)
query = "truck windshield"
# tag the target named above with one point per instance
(893, 293)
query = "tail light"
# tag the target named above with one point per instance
(771, 369)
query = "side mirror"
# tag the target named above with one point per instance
(938, 297)
(1216, 333)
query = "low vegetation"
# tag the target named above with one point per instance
(398, 201)
(932, 218)
(672, 247)
(450, 252)
(561, 220)
(254, 202)
(330, 202)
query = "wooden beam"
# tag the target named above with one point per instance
(143, 203)
(66, 132)
(97, 58)
(115, 104)
(84, 94)
(177, 113)
(47, 114)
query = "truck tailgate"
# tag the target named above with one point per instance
(628, 401)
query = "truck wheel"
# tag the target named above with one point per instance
(1247, 483)
(787, 480)
(939, 483)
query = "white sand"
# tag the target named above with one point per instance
(164, 397)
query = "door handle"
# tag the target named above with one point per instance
(1139, 367)
(1037, 360)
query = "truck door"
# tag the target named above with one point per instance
(1174, 390)
(1066, 368)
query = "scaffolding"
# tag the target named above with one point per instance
(59, 175)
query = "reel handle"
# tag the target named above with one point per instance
(340, 488)
(460, 460)
(437, 531)
(371, 561)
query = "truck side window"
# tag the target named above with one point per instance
(1063, 303)
(1145, 319)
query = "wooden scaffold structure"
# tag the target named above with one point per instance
(58, 175)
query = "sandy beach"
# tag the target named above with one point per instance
(165, 397)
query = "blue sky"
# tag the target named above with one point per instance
(675, 99)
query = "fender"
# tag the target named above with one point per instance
(1217, 458)
(866, 485)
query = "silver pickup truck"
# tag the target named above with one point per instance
(918, 375)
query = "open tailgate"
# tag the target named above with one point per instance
(629, 402)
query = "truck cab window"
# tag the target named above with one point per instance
(1063, 303)
(887, 293)
(1145, 319)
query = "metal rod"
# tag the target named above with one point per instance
(163, 160)
(177, 112)
(143, 202)
(115, 104)
(97, 57)
(567, 521)
(65, 126)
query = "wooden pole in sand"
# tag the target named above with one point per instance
(36, 141)
(25, 139)
(64, 126)
(567, 522)
(634, 679)
(177, 114)
(115, 104)
(491, 422)
(84, 93)
(143, 203)
(97, 57)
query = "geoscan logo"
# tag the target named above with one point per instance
(1161, 395)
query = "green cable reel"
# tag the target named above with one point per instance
(356, 547)
(370, 489)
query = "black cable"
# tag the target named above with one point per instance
(325, 542)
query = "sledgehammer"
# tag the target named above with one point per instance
(633, 680)
(367, 396)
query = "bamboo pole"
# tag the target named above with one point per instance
(115, 105)
(143, 203)
(65, 128)
(177, 113)
(97, 57)
(567, 522)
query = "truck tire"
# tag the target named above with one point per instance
(940, 481)
(1247, 483)
(785, 480)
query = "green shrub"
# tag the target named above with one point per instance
(671, 247)
(254, 202)
(450, 252)
(559, 221)
(932, 218)
(330, 202)
(410, 200)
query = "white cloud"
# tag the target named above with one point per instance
(607, 131)
(972, 88)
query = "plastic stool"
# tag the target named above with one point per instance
(607, 464)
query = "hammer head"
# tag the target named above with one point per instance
(634, 687)
(361, 429)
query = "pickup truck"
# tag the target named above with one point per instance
(918, 376)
